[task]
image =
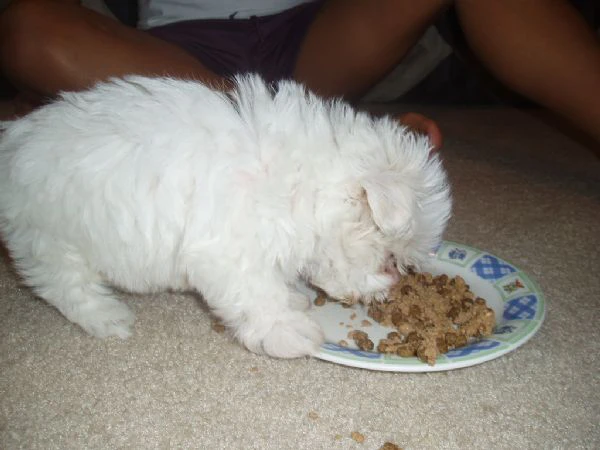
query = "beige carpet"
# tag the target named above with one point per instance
(522, 191)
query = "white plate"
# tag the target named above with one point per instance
(516, 299)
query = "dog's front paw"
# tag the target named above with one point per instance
(293, 335)
(105, 318)
(289, 335)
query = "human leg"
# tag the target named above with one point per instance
(352, 44)
(543, 50)
(48, 46)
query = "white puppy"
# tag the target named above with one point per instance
(148, 184)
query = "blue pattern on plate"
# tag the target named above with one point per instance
(521, 308)
(472, 348)
(506, 329)
(340, 349)
(457, 253)
(491, 268)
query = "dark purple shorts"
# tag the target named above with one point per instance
(267, 45)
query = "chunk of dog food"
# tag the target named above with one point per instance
(358, 437)
(321, 299)
(389, 446)
(218, 326)
(361, 339)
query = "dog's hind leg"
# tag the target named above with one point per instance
(61, 276)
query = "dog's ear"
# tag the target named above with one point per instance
(391, 201)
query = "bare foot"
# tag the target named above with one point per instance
(425, 125)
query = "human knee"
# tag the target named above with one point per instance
(31, 34)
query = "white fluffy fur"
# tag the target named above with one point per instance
(148, 184)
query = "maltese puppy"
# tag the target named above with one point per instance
(148, 184)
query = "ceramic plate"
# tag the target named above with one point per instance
(516, 299)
